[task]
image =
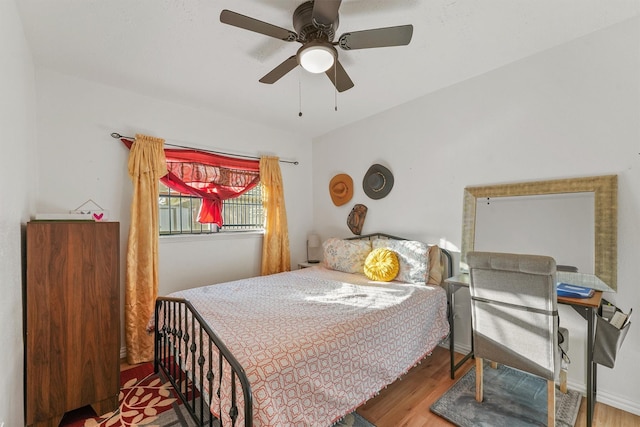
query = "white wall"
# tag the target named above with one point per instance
(78, 160)
(17, 172)
(571, 111)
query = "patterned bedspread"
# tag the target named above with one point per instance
(317, 343)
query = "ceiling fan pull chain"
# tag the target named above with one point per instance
(299, 95)
(335, 86)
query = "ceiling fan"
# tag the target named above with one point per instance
(316, 23)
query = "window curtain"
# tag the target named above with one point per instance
(209, 176)
(146, 165)
(212, 177)
(275, 246)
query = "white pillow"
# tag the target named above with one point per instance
(412, 257)
(346, 255)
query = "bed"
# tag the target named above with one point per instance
(306, 347)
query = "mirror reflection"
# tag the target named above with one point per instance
(573, 220)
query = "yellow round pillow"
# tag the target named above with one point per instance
(381, 265)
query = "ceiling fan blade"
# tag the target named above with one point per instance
(279, 72)
(251, 24)
(325, 12)
(379, 37)
(338, 73)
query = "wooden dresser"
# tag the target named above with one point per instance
(72, 300)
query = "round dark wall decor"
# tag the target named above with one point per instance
(377, 182)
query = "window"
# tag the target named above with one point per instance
(179, 212)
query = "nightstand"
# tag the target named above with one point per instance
(307, 264)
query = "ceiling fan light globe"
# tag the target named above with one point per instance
(317, 58)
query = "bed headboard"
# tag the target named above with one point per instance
(445, 256)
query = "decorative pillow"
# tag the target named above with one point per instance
(435, 266)
(346, 255)
(412, 258)
(381, 265)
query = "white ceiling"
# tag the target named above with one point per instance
(179, 51)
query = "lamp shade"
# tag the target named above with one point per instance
(317, 57)
(313, 241)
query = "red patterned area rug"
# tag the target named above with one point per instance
(144, 400)
(147, 400)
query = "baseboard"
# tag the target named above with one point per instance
(616, 401)
(458, 348)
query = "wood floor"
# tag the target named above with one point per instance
(406, 402)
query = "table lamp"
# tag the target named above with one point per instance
(313, 242)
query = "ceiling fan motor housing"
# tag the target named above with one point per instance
(309, 30)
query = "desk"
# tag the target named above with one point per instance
(586, 307)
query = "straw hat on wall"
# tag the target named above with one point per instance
(341, 189)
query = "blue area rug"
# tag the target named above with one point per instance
(511, 399)
(353, 420)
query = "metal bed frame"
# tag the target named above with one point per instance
(186, 339)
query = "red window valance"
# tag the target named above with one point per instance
(210, 176)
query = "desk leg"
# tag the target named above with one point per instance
(451, 301)
(592, 367)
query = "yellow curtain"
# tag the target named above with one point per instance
(275, 246)
(147, 164)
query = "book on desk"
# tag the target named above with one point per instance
(573, 291)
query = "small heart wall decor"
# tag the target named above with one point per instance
(93, 209)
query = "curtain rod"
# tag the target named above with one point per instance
(118, 136)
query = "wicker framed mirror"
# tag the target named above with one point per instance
(605, 189)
